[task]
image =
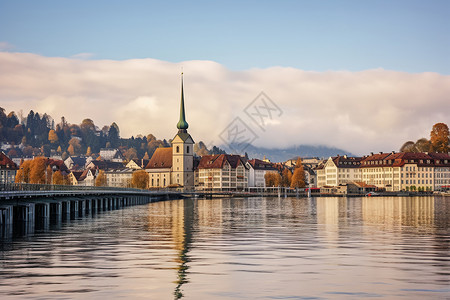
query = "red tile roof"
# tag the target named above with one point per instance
(218, 161)
(6, 162)
(161, 159)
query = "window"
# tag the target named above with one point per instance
(187, 149)
(178, 149)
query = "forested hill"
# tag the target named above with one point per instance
(39, 134)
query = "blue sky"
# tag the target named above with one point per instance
(409, 36)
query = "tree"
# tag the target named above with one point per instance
(59, 150)
(273, 179)
(131, 154)
(140, 179)
(286, 177)
(57, 178)
(52, 136)
(23, 174)
(298, 178)
(48, 174)
(101, 179)
(89, 151)
(37, 173)
(75, 146)
(439, 138)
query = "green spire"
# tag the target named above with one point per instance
(182, 124)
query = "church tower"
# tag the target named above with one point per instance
(183, 151)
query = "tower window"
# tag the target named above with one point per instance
(187, 149)
(178, 149)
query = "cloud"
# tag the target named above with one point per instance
(372, 110)
(82, 56)
(5, 46)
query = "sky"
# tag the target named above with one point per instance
(362, 76)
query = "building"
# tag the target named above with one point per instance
(174, 166)
(441, 171)
(223, 172)
(399, 171)
(77, 162)
(338, 170)
(110, 154)
(257, 169)
(82, 178)
(8, 169)
(120, 178)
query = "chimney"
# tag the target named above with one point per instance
(381, 152)
(371, 153)
(393, 152)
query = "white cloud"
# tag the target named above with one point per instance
(5, 46)
(83, 55)
(373, 110)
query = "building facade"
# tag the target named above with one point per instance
(224, 172)
(339, 170)
(8, 169)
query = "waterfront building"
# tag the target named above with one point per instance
(77, 162)
(338, 170)
(399, 171)
(8, 169)
(174, 166)
(441, 171)
(82, 178)
(119, 177)
(224, 172)
(257, 169)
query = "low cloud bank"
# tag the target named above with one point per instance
(373, 110)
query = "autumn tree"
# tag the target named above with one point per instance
(74, 146)
(298, 178)
(273, 179)
(52, 137)
(439, 138)
(37, 172)
(59, 150)
(131, 154)
(88, 151)
(58, 178)
(286, 177)
(140, 179)
(48, 175)
(23, 174)
(101, 179)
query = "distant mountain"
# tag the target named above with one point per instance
(280, 155)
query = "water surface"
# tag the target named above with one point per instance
(253, 248)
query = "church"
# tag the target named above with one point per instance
(174, 166)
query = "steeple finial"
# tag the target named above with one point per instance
(182, 124)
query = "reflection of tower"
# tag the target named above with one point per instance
(182, 232)
(183, 151)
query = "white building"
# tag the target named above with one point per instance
(257, 169)
(223, 172)
(8, 169)
(339, 170)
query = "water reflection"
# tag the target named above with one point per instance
(249, 248)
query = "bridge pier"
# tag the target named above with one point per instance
(65, 210)
(56, 211)
(74, 209)
(6, 215)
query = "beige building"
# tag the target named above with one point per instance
(338, 170)
(399, 171)
(223, 172)
(441, 171)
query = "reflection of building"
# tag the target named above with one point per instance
(395, 211)
(174, 166)
(441, 171)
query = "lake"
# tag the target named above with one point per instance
(241, 248)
